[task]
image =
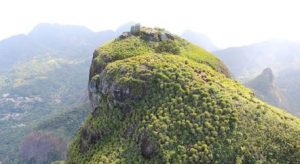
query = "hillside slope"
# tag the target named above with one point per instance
(157, 100)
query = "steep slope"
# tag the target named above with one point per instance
(264, 87)
(160, 101)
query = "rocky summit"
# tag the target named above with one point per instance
(159, 99)
(266, 89)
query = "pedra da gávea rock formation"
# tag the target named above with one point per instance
(138, 41)
(159, 99)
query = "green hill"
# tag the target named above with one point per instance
(160, 99)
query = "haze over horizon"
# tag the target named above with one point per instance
(226, 23)
(216, 82)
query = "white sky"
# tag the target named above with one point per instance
(226, 22)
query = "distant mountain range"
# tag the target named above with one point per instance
(283, 57)
(246, 62)
(51, 39)
(43, 74)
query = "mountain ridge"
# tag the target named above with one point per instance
(247, 61)
(166, 106)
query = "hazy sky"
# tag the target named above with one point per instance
(226, 22)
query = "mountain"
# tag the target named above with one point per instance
(199, 39)
(42, 75)
(17, 48)
(289, 82)
(246, 62)
(160, 99)
(265, 88)
(50, 39)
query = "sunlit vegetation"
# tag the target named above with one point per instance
(137, 45)
(38, 89)
(166, 107)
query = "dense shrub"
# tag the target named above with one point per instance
(168, 46)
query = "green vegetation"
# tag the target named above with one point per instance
(38, 89)
(44, 74)
(168, 46)
(157, 106)
(135, 45)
